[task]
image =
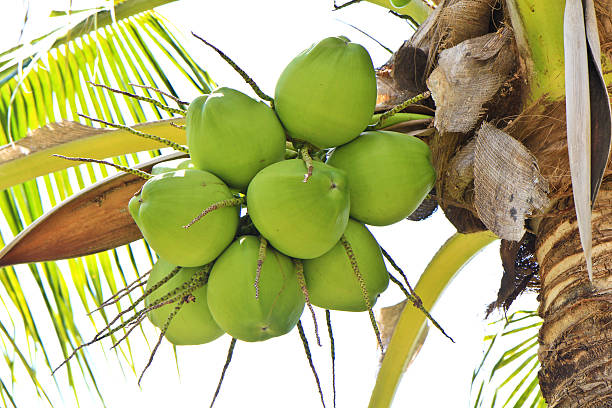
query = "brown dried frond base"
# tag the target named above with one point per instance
(520, 271)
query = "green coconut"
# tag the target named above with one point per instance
(331, 281)
(233, 136)
(172, 165)
(231, 292)
(326, 95)
(193, 324)
(389, 173)
(300, 219)
(169, 201)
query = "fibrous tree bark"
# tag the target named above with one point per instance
(576, 337)
(495, 70)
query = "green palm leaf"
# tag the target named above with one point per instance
(51, 86)
(456, 252)
(514, 375)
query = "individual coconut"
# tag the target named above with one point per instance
(193, 324)
(169, 201)
(233, 136)
(231, 292)
(332, 282)
(326, 95)
(389, 173)
(300, 219)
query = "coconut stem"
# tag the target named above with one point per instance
(398, 108)
(177, 309)
(99, 336)
(309, 357)
(159, 91)
(184, 292)
(197, 280)
(290, 154)
(141, 98)
(401, 272)
(239, 70)
(308, 160)
(132, 325)
(230, 353)
(163, 140)
(82, 346)
(333, 351)
(302, 282)
(261, 257)
(230, 202)
(122, 293)
(364, 292)
(140, 299)
(412, 296)
(139, 173)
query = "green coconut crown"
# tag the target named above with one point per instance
(326, 95)
(233, 136)
(193, 324)
(300, 219)
(231, 292)
(331, 280)
(389, 173)
(169, 201)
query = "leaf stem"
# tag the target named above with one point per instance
(163, 140)
(141, 98)
(136, 172)
(239, 70)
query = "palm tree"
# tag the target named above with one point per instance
(501, 63)
(496, 70)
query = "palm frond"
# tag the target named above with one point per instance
(130, 49)
(18, 58)
(512, 379)
(404, 344)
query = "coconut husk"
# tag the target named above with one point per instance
(459, 183)
(453, 22)
(503, 206)
(455, 173)
(547, 142)
(457, 113)
(459, 99)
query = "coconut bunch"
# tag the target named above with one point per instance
(268, 213)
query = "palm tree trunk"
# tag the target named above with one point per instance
(576, 338)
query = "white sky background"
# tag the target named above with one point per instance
(262, 37)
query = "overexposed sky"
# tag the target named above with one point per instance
(262, 37)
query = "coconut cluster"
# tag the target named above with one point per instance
(269, 210)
